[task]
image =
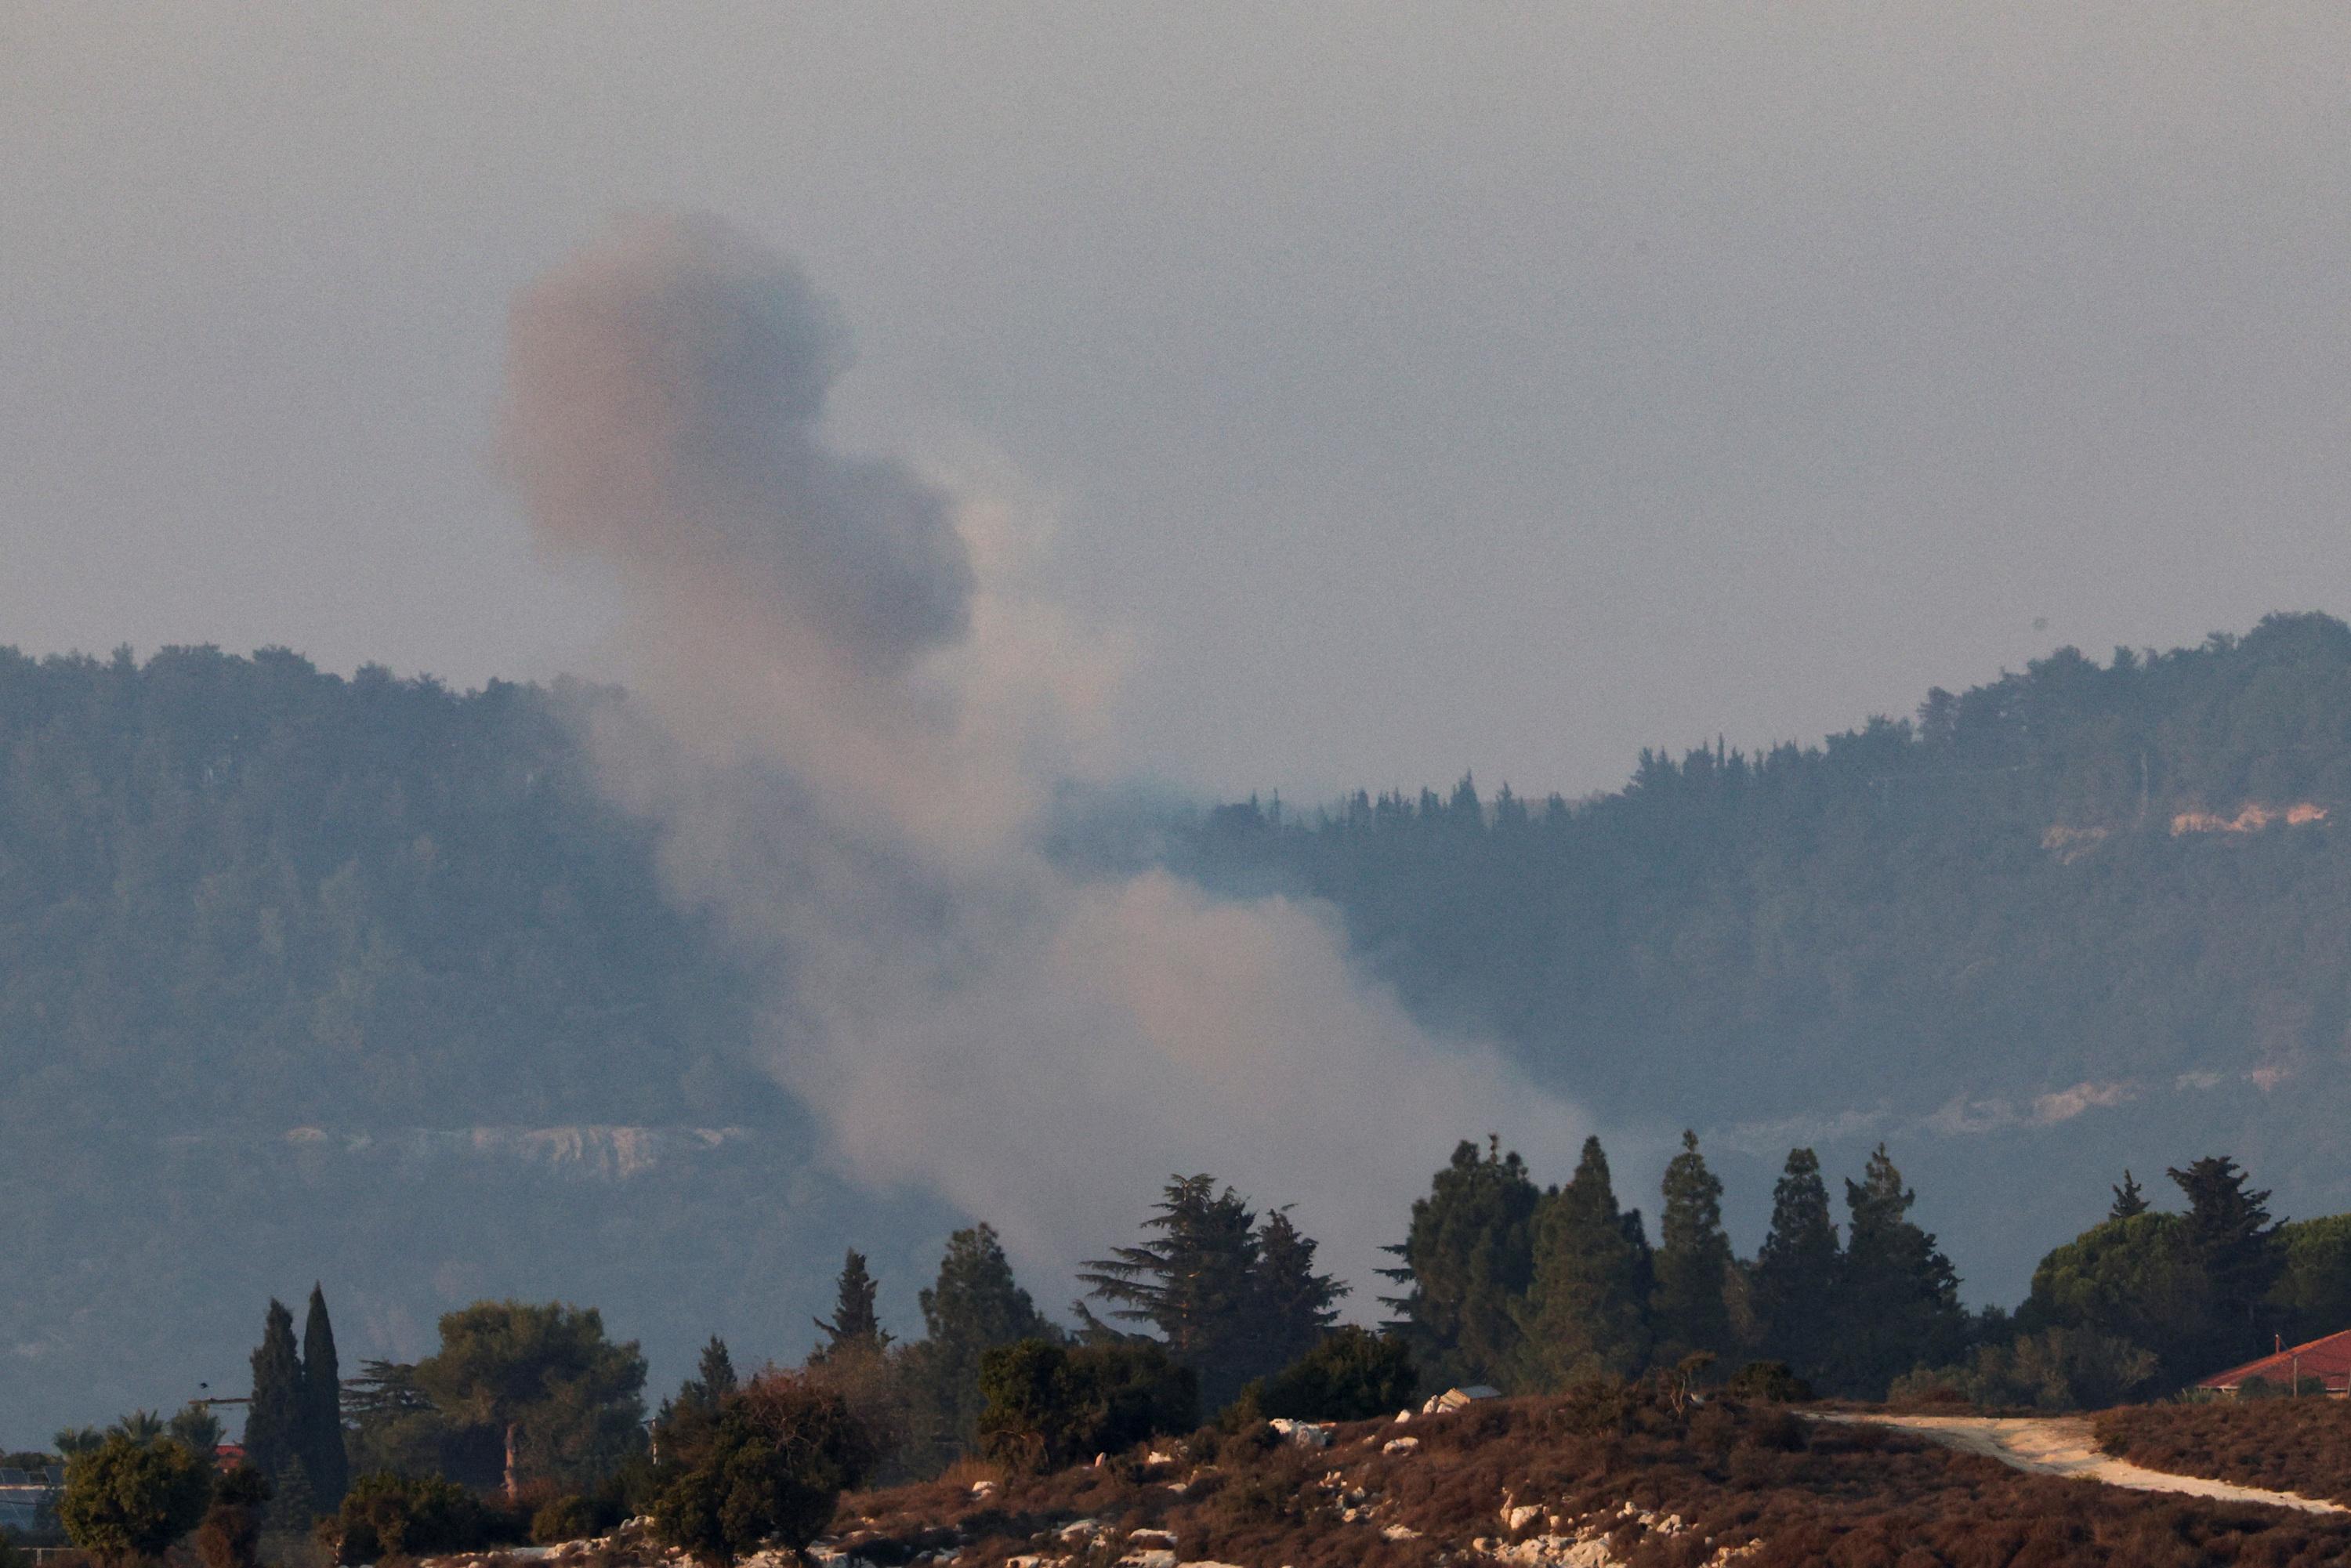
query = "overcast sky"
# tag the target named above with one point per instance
(1418, 388)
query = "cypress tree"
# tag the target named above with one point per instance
(1468, 1260)
(855, 1325)
(1693, 1263)
(1587, 1312)
(1796, 1269)
(326, 1463)
(273, 1420)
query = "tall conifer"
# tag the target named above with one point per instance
(1796, 1269)
(1693, 1264)
(1898, 1304)
(273, 1430)
(1196, 1282)
(325, 1461)
(1295, 1305)
(1466, 1260)
(1586, 1311)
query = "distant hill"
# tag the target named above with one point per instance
(358, 979)
(2088, 914)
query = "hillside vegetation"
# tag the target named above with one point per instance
(303, 975)
(2085, 916)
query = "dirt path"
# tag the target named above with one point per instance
(2065, 1446)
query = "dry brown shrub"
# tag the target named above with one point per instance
(2283, 1445)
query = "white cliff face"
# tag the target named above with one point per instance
(592, 1151)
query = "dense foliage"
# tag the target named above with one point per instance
(769, 1468)
(1045, 1406)
(126, 1500)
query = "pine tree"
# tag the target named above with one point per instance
(1796, 1269)
(1468, 1259)
(1195, 1281)
(974, 1306)
(1693, 1264)
(715, 1376)
(1586, 1311)
(855, 1326)
(2128, 1199)
(2231, 1239)
(1898, 1302)
(1295, 1305)
(273, 1419)
(326, 1463)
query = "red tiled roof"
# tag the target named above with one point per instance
(2327, 1362)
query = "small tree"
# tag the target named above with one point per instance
(777, 1461)
(125, 1501)
(2129, 1199)
(198, 1427)
(1047, 1405)
(229, 1535)
(1353, 1375)
(855, 1325)
(542, 1371)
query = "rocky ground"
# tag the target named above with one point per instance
(1594, 1480)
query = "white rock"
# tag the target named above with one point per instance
(1151, 1537)
(1304, 1434)
(1148, 1559)
(1401, 1532)
(1399, 1445)
(1517, 1518)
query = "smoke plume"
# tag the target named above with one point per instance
(847, 720)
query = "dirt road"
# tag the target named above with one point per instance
(2065, 1446)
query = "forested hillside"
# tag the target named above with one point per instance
(2090, 914)
(307, 977)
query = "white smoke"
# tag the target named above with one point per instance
(849, 719)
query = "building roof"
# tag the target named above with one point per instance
(2327, 1362)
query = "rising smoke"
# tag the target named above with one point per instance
(848, 721)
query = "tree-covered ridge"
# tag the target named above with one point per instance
(1993, 895)
(240, 890)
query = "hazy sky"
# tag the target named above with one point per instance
(1418, 388)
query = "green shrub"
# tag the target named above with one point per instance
(772, 1469)
(1771, 1382)
(1044, 1406)
(1352, 1375)
(408, 1516)
(126, 1499)
(567, 1518)
(229, 1535)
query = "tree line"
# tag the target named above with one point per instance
(529, 1421)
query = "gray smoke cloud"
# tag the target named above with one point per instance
(849, 714)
